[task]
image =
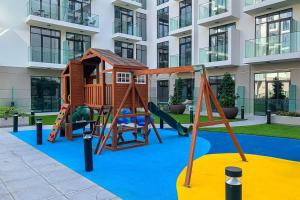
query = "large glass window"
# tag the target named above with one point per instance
(124, 49)
(161, 1)
(163, 54)
(141, 21)
(123, 21)
(79, 11)
(77, 44)
(141, 53)
(218, 42)
(273, 33)
(185, 51)
(185, 13)
(162, 91)
(44, 45)
(163, 22)
(45, 8)
(45, 94)
(271, 91)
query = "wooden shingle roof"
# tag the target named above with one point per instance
(111, 58)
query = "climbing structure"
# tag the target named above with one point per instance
(106, 83)
(58, 122)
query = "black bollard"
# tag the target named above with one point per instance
(15, 122)
(233, 185)
(39, 131)
(268, 116)
(161, 123)
(88, 154)
(243, 112)
(191, 114)
(32, 118)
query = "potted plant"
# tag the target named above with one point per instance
(227, 96)
(175, 101)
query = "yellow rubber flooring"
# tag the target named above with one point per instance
(264, 178)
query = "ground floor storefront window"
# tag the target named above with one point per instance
(45, 94)
(271, 91)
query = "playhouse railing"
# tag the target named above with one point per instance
(93, 94)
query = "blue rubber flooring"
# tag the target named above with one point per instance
(260, 145)
(142, 173)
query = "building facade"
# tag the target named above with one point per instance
(257, 41)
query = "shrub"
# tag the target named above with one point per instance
(176, 98)
(290, 114)
(227, 91)
(6, 112)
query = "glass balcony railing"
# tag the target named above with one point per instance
(177, 60)
(212, 8)
(252, 2)
(273, 45)
(72, 54)
(45, 55)
(180, 22)
(213, 54)
(126, 28)
(54, 11)
(54, 56)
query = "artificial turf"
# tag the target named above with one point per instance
(273, 130)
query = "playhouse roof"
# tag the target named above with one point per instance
(111, 58)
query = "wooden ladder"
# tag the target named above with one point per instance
(58, 122)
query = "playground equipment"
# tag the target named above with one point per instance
(117, 87)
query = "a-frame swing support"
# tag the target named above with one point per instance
(134, 91)
(205, 91)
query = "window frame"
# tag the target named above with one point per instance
(141, 79)
(123, 77)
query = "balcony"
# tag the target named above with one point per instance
(181, 26)
(254, 7)
(47, 58)
(61, 17)
(222, 55)
(130, 4)
(215, 12)
(177, 60)
(127, 32)
(279, 48)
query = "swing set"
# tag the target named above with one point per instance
(108, 84)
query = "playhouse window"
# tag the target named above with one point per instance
(140, 79)
(123, 77)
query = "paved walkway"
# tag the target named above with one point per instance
(28, 174)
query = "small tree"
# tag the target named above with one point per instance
(176, 98)
(278, 96)
(278, 89)
(227, 92)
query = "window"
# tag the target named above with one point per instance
(141, 21)
(124, 49)
(46, 8)
(161, 1)
(185, 13)
(78, 11)
(144, 4)
(162, 91)
(218, 42)
(185, 51)
(45, 94)
(141, 53)
(140, 79)
(77, 44)
(163, 54)
(271, 91)
(273, 33)
(44, 45)
(123, 21)
(123, 77)
(163, 22)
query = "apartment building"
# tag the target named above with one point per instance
(257, 41)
